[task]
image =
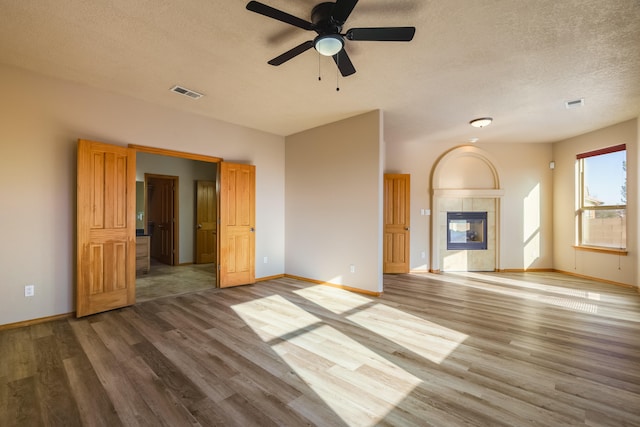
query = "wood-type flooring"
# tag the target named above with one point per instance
(164, 280)
(467, 349)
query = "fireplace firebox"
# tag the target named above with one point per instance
(466, 230)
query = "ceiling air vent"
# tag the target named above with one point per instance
(576, 103)
(186, 92)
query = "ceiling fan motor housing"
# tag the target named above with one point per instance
(322, 21)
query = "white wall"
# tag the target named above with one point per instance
(527, 182)
(615, 268)
(334, 203)
(42, 118)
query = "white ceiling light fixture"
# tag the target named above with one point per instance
(329, 44)
(481, 122)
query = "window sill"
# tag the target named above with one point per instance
(613, 251)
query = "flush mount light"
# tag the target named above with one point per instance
(481, 122)
(474, 140)
(329, 44)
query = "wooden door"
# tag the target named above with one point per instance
(237, 225)
(106, 223)
(161, 193)
(206, 217)
(396, 223)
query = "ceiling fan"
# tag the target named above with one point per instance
(327, 19)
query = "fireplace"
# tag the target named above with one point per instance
(466, 230)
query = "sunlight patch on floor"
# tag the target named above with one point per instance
(332, 300)
(437, 342)
(568, 303)
(336, 367)
(572, 304)
(528, 284)
(274, 316)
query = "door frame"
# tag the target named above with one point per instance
(181, 155)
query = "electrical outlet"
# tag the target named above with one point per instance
(266, 260)
(352, 268)
(423, 254)
(29, 290)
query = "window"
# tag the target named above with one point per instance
(602, 213)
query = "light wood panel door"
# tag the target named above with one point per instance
(237, 224)
(206, 217)
(106, 245)
(396, 223)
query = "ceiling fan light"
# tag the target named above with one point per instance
(481, 122)
(329, 44)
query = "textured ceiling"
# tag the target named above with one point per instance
(517, 61)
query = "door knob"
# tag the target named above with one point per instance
(199, 226)
(252, 229)
(406, 228)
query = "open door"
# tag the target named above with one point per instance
(206, 217)
(162, 213)
(396, 223)
(237, 225)
(106, 246)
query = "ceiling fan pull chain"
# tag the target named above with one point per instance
(337, 73)
(319, 74)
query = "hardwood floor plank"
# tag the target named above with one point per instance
(272, 405)
(238, 411)
(94, 406)
(207, 372)
(167, 404)
(131, 408)
(22, 408)
(172, 378)
(16, 349)
(52, 385)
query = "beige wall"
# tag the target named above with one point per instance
(42, 119)
(334, 203)
(526, 239)
(620, 269)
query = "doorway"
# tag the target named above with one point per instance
(158, 172)
(107, 222)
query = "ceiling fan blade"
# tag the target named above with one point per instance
(342, 10)
(344, 63)
(388, 34)
(292, 53)
(279, 15)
